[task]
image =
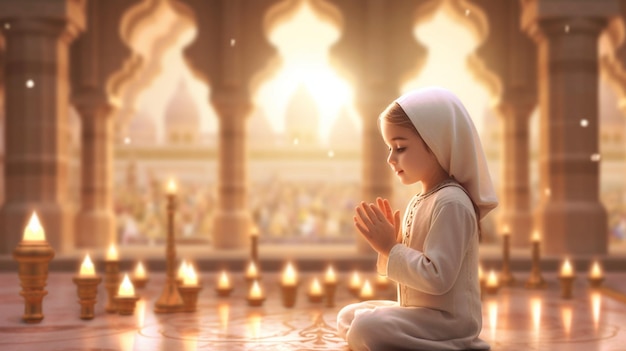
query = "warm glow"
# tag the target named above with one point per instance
(506, 230)
(223, 282)
(566, 315)
(316, 288)
(566, 269)
(481, 274)
(223, 310)
(34, 231)
(289, 275)
(255, 291)
(305, 62)
(535, 306)
(492, 308)
(252, 272)
(355, 280)
(190, 277)
(255, 231)
(330, 277)
(366, 290)
(112, 254)
(86, 268)
(140, 271)
(536, 237)
(253, 321)
(596, 270)
(126, 289)
(382, 280)
(171, 187)
(492, 279)
(182, 270)
(596, 304)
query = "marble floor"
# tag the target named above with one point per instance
(514, 319)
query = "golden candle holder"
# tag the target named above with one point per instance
(535, 280)
(140, 277)
(595, 282)
(506, 276)
(329, 292)
(111, 283)
(596, 276)
(87, 293)
(567, 286)
(170, 300)
(126, 304)
(289, 293)
(189, 294)
(33, 254)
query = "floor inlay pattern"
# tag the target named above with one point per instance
(515, 319)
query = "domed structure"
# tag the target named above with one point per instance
(182, 119)
(302, 117)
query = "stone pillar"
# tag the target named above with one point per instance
(37, 99)
(95, 221)
(232, 221)
(515, 189)
(569, 217)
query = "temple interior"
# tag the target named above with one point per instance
(185, 143)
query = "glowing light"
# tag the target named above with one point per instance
(492, 279)
(566, 316)
(330, 277)
(596, 304)
(506, 230)
(596, 157)
(223, 310)
(481, 274)
(126, 289)
(112, 254)
(7, 25)
(86, 268)
(30, 84)
(254, 326)
(366, 291)
(140, 271)
(567, 28)
(182, 270)
(584, 123)
(126, 140)
(331, 154)
(467, 12)
(355, 280)
(316, 288)
(190, 277)
(171, 187)
(492, 310)
(535, 304)
(289, 275)
(232, 42)
(566, 269)
(224, 281)
(536, 237)
(547, 192)
(596, 270)
(34, 231)
(255, 291)
(252, 272)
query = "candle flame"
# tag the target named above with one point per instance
(254, 231)
(171, 187)
(355, 280)
(190, 278)
(506, 230)
(289, 275)
(223, 282)
(140, 271)
(87, 268)
(536, 236)
(366, 289)
(112, 254)
(34, 231)
(182, 269)
(330, 277)
(492, 279)
(252, 271)
(126, 289)
(316, 288)
(255, 291)
(566, 269)
(596, 270)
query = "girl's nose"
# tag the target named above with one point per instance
(390, 159)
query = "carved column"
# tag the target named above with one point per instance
(37, 96)
(232, 219)
(570, 217)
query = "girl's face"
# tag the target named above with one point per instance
(409, 157)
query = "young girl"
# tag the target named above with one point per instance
(433, 253)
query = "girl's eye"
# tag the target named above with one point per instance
(400, 149)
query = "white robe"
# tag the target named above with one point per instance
(436, 269)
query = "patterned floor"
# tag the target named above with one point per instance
(514, 319)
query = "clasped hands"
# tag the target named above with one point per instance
(378, 224)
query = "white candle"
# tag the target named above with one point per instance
(34, 231)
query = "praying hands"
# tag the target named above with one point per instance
(379, 225)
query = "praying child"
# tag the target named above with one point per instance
(432, 254)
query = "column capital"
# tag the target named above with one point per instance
(561, 12)
(70, 11)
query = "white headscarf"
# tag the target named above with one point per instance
(446, 127)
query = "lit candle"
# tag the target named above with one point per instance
(491, 285)
(506, 276)
(315, 291)
(112, 254)
(595, 275)
(255, 296)
(126, 289)
(330, 277)
(140, 271)
(355, 283)
(223, 285)
(366, 292)
(86, 268)
(182, 270)
(536, 237)
(140, 276)
(190, 277)
(34, 231)
(289, 277)
(566, 269)
(171, 187)
(252, 272)
(535, 280)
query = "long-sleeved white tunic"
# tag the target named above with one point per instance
(436, 268)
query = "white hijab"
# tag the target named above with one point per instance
(448, 130)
